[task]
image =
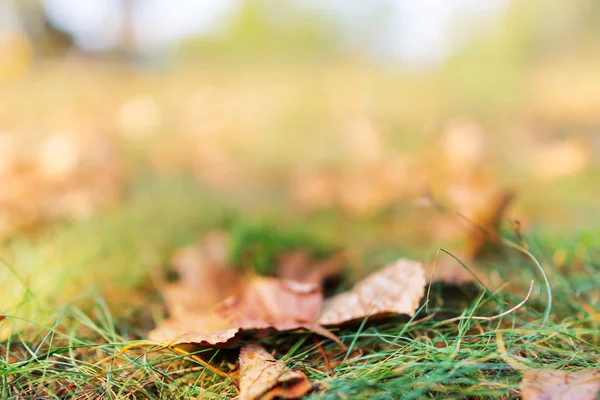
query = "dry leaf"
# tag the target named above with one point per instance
(189, 329)
(300, 266)
(63, 175)
(282, 305)
(205, 278)
(395, 289)
(205, 282)
(560, 385)
(486, 224)
(264, 377)
(259, 303)
(277, 302)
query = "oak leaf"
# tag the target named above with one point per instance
(264, 377)
(560, 385)
(395, 289)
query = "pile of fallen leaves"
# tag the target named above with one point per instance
(213, 303)
(216, 304)
(65, 175)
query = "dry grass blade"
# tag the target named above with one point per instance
(515, 308)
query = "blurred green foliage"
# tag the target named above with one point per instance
(269, 30)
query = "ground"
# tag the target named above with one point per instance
(82, 293)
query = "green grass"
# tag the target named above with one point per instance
(81, 293)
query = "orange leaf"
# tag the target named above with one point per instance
(262, 303)
(264, 377)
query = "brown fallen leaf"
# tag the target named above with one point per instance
(263, 377)
(202, 328)
(560, 385)
(216, 314)
(61, 175)
(300, 266)
(276, 302)
(485, 225)
(205, 278)
(395, 289)
(264, 303)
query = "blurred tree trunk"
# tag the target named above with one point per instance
(45, 39)
(126, 44)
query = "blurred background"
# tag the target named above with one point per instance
(354, 114)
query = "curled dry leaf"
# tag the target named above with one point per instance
(279, 304)
(265, 303)
(560, 385)
(271, 301)
(395, 289)
(264, 377)
(211, 303)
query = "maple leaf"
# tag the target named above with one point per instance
(394, 289)
(264, 377)
(560, 385)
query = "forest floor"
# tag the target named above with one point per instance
(82, 275)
